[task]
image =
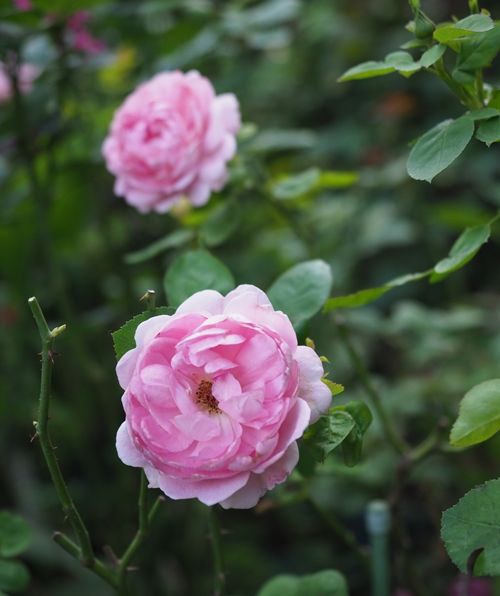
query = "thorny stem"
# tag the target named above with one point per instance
(97, 566)
(392, 435)
(47, 337)
(214, 530)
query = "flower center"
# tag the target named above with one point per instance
(205, 399)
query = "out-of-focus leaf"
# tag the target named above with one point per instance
(311, 180)
(322, 583)
(281, 140)
(123, 338)
(479, 415)
(172, 240)
(15, 534)
(221, 224)
(194, 271)
(439, 147)
(472, 526)
(302, 290)
(14, 576)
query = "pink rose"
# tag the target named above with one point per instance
(26, 76)
(216, 397)
(172, 137)
(82, 39)
(23, 5)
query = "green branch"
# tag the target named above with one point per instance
(86, 554)
(214, 530)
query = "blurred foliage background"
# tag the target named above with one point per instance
(67, 242)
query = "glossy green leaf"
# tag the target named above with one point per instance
(352, 446)
(194, 271)
(439, 147)
(14, 576)
(482, 114)
(322, 583)
(489, 131)
(476, 23)
(402, 62)
(476, 53)
(472, 526)
(367, 70)
(327, 433)
(124, 338)
(15, 534)
(432, 55)
(479, 415)
(221, 224)
(172, 240)
(302, 290)
(368, 295)
(462, 251)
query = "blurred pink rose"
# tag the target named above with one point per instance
(23, 5)
(82, 39)
(26, 76)
(216, 397)
(172, 137)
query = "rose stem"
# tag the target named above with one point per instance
(213, 527)
(85, 554)
(392, 435)
(145, 518)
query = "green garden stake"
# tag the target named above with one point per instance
(378, 522)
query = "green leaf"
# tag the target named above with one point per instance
(479, 415)
(473, 525)
(14, 576)
(335, 388)
(327, 433)
(336, 179)
(322, 583)
(482, 114)
(462, 251)
(476, 23)
(15, 534)
(124, 338)
(489, 131)
(302, 290)
(221, 223)
(295, 186)
(194, 271)
(172, 240)
(476, 53)
(403, 62)
(368, 295)
(439, 147)
(311, 180)
(432, 55)
(367, 70)
(352, 446)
